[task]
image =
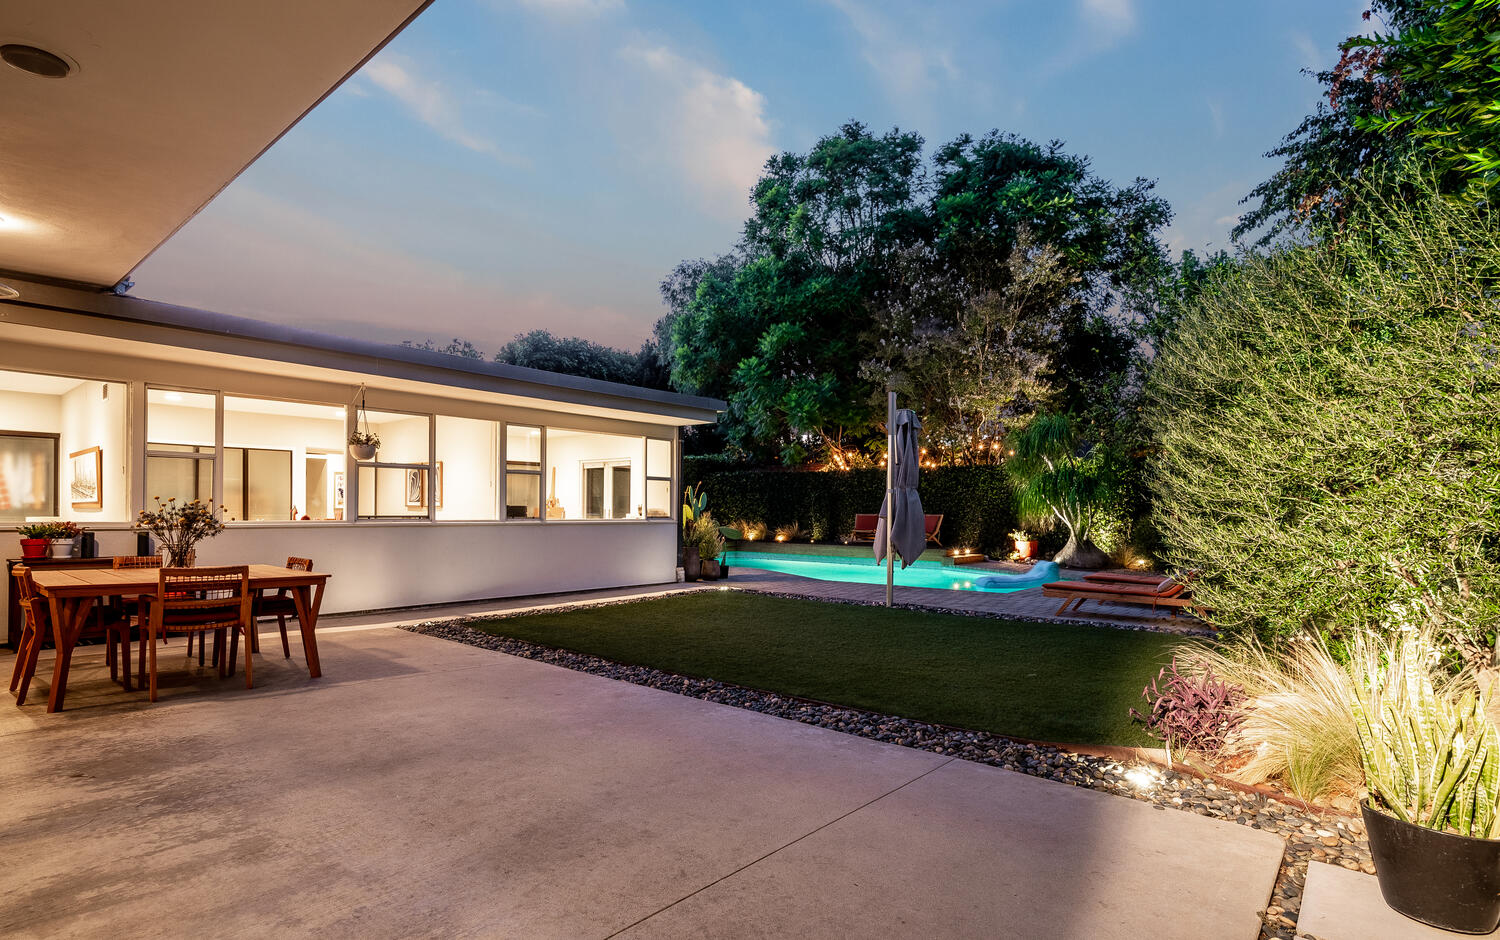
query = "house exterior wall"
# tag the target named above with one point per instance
(375, 563)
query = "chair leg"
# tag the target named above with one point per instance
(15, 674)
(253, 632)
(221, 656)
(33, 650)
(202, 642)
(286, 648)
(234, 645)
(125, 655)
(249, 682)
(152, 632)
(111, 658)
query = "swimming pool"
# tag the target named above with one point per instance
(926, 574)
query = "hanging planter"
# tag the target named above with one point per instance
(363, 443)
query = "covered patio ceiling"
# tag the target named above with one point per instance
(164, 103)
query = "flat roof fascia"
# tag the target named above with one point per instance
(56, 307)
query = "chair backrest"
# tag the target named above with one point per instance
(24, 582)
(299, 564)
(864, 521)
(137, 561)
(203, 598)
(933, 522)
(33, 607)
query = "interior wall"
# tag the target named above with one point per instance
(470, 454)
(92, 417)
(568, 451)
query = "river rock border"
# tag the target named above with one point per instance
(1309, 835)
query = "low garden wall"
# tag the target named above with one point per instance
(977, 503)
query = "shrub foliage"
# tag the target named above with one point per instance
(977, 503)
(1329, 426)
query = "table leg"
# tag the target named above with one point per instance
(68, 616)
(309, 599)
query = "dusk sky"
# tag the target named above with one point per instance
(505, 165)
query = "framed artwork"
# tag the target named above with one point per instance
(28, 475)
(338, 490)
(416, 487)
(86, 486)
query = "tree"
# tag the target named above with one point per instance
(1455, 60)
(457, 347)
(972, 355)
(1062, 477)
(573, 355)
(1337, 144)
(796, 328)
(1328, 425)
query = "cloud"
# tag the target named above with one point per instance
(1108, 20)
(711, 127)
(573, 8)
(431, 103)
(1216, 116)
(258, 255)
(910, 65)
(1309, 56)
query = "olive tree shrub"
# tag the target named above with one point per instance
(1328, 427)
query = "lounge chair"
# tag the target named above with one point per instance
(1167, 594)
(865, 523)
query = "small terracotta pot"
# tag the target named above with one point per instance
(1026, 548)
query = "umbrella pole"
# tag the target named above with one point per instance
(890, 490)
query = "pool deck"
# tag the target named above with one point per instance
(1028, 604)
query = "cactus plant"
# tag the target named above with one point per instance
(1430, 753)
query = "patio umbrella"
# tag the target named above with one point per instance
(903, 531)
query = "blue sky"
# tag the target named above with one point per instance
(505, 165)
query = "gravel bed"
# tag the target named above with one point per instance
(1308, 835)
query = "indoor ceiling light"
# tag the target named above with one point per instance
(8, 293)
(34, 60)
(173, 396)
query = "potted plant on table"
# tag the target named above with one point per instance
(1431, 759)
(179, 528)
(36, 539)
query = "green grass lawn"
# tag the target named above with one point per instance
(1050, 682)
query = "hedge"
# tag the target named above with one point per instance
(977, 503)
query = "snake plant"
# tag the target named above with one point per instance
(1430, 753)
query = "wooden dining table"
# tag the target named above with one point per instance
(72, 593)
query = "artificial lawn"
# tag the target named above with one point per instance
(1046, 681)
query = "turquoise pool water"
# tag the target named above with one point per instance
(927, 574)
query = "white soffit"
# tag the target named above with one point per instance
(169, 101)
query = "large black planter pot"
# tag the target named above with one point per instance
(691, 563)
(1438, 878)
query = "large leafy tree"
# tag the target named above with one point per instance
(1341, 140)
(573, 355)
(1452, 66)
(1329, 426)
(1064, 476)
(860, 260)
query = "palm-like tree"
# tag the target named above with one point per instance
(1063, 477)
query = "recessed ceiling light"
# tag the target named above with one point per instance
(8, 293)
(34, 60)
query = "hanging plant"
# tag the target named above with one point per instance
(363, 442)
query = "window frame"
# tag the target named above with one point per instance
(216, 487)
(540, 472)
(671, 443)
(377, 465)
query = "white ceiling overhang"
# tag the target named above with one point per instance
(169, 101)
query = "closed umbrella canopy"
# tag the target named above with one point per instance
(909, 534)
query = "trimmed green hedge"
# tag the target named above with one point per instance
(977, 503)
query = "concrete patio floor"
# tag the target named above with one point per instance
(423, 787)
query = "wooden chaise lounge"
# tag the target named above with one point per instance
(865, 523)
(1156, 592)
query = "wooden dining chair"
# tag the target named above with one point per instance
(200, 601)
(121, 630)
(282, 605)
(36, 621)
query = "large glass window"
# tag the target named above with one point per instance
(468, 455)
(523, 472)
(180, 441)
(396, 484)
(658, 478)
(595, 476)
(283, 460)
(62, 449)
